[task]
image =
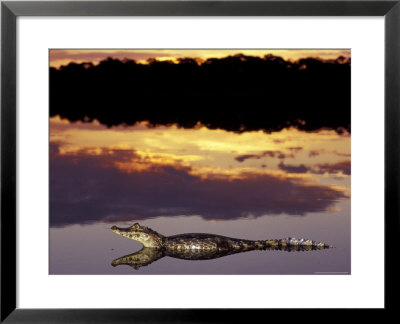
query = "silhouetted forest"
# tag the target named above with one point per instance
(236, 93)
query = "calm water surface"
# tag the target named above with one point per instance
(252, 185)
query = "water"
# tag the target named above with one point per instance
(252, 185)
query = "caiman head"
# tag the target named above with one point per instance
(142, 234)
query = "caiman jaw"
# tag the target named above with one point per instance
(118, 231)
(125, 232)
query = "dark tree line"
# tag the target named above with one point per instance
(236, 93)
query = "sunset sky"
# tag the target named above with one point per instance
(117, 156)
(60, 57)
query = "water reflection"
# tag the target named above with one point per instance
(147, 256)
(119, 174)
(102, 246)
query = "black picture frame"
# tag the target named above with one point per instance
(10, 10)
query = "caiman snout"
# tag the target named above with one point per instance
(113, 228)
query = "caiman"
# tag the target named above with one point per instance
(199, 246)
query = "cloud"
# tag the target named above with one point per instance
(334, 168)
(342, 154)
(313, 153)
(329, 168)
(87, 187)
(278, 154)
(96, 56)
(293, 168)
(295, 149)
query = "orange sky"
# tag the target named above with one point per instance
(60, 57)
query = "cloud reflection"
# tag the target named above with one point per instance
(87, 186)
(278, 154)
(293, 168)
(333, 168)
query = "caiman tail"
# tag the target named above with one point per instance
(293, 242)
